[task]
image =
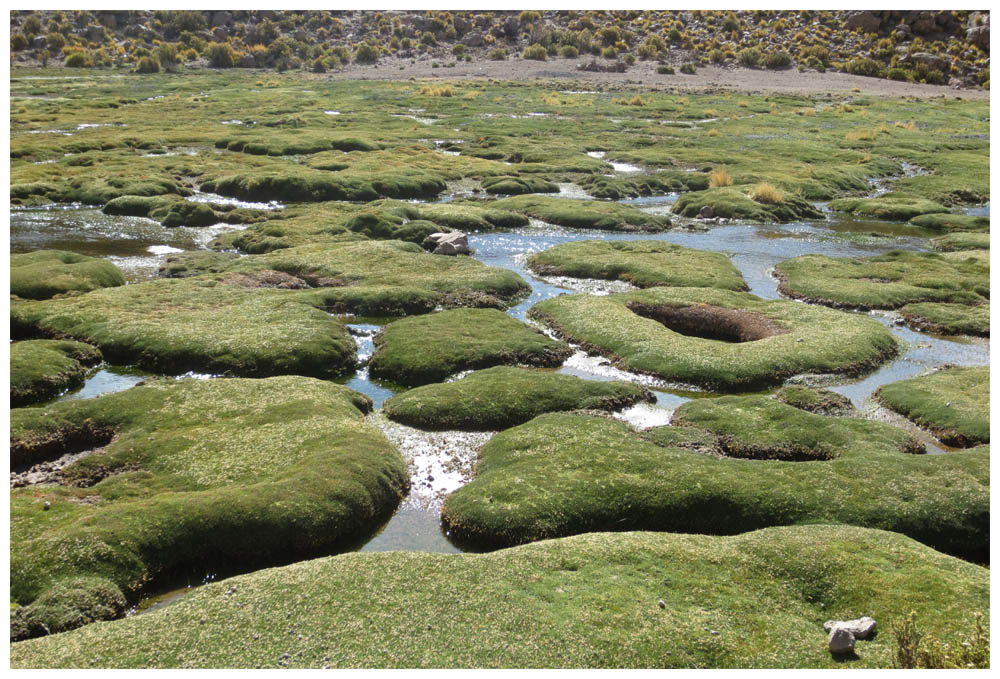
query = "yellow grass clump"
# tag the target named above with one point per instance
(768, 194)
(719, 177)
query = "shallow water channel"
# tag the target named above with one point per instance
(442, 461)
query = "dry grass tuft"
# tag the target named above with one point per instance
(719, 177)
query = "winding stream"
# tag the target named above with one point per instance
(442, 461)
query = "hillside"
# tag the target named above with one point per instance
(933, 47)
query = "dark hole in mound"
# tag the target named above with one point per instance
(710, 322)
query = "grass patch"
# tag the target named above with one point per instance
(306, 185)
(819, 401)
(950, 222)
(894, 206)
(46, 273)
(429, 348)
(658, 184)
(41, 369)
(718, 339)
(502, 397)
(642, 263)
(198, 474)
(563, 474)
(516, 186)
(954, 242)
(177, 325)
(887, 281)
(953, 403)
(581, 214)
(948, 319)
(561, 603)
(733, 203)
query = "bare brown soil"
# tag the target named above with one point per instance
(643, 75)
(710, 322)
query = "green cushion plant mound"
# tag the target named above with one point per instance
(41, 369)
(953, 242)
(558, 603)
(762, 428)
(948, 319)
(953, 403)
(734, 203)
(501, 397)
(306, 185)
(894, 206)
(644, 263)
(718, 339)
(429, 348)
(177, 325)
(94, 190)
(887, 281)
(950, 222)
(584, 214)
(663, 182)
(563, 474)
(46, 273)
(196, 474)
(172, 212)
(390, 278)
(515, 186)
(292, 142)
(820, 401)
(195, 263)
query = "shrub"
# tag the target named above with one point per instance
(221, 55)
(899, 74)
(629, 59)
(148, 65)
(319, 65)
(366, 54)
(688, 68)
(609, 53)
(777, 60)
(77, 60)
(536, 52)
(865, 67)
(915, 650)
(719, 177)
(56, 41)
(750, 57)
(768, 194)
(569, 52)
(18, 42)
(665, 70)
(458, 50)
(716, 56)
(497, 54)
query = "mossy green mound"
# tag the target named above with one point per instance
(954, 242)
(307, 185)
(292, 142)
(195, 263)
(950, 222)
(174, 211)
(389, 219)
(644, 263)
(722, 340)
(197, 474)
(93, 189)
(41, 369)
(734, 203)
(762, 428)
(754, 600)
(820, 401)
(563, 474)
(429, 348)
(895, 206)
(952, 403)
(177, 325)
(585, 214)
(660, 183)
(516, 186)
(503, 397)
(948, 319)
(46, 273)
(391, 278)
(887, 281)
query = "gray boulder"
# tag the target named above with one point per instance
(864, 21)
(934, 61)
(452, 243)
(840, 640)
(979, 36)
(861, 628)
(472, 39)
(706, 212)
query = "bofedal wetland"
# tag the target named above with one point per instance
(310, 370)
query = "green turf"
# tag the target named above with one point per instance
(41, 369)
(644, 263)
(950, 222)
(961, 241)
(895, 206)
(820, 401)
(581, 214)
(199, 474)
(736, 202)
(429, 348)
(753, 600)
(45, 273)
(887, 281)
(718, 339)
(948, 319)
(953, 403)
(501, 397)
(564, 474)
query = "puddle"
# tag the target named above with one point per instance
(204, 197)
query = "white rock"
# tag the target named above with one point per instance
(861, 628)
(841, 640)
